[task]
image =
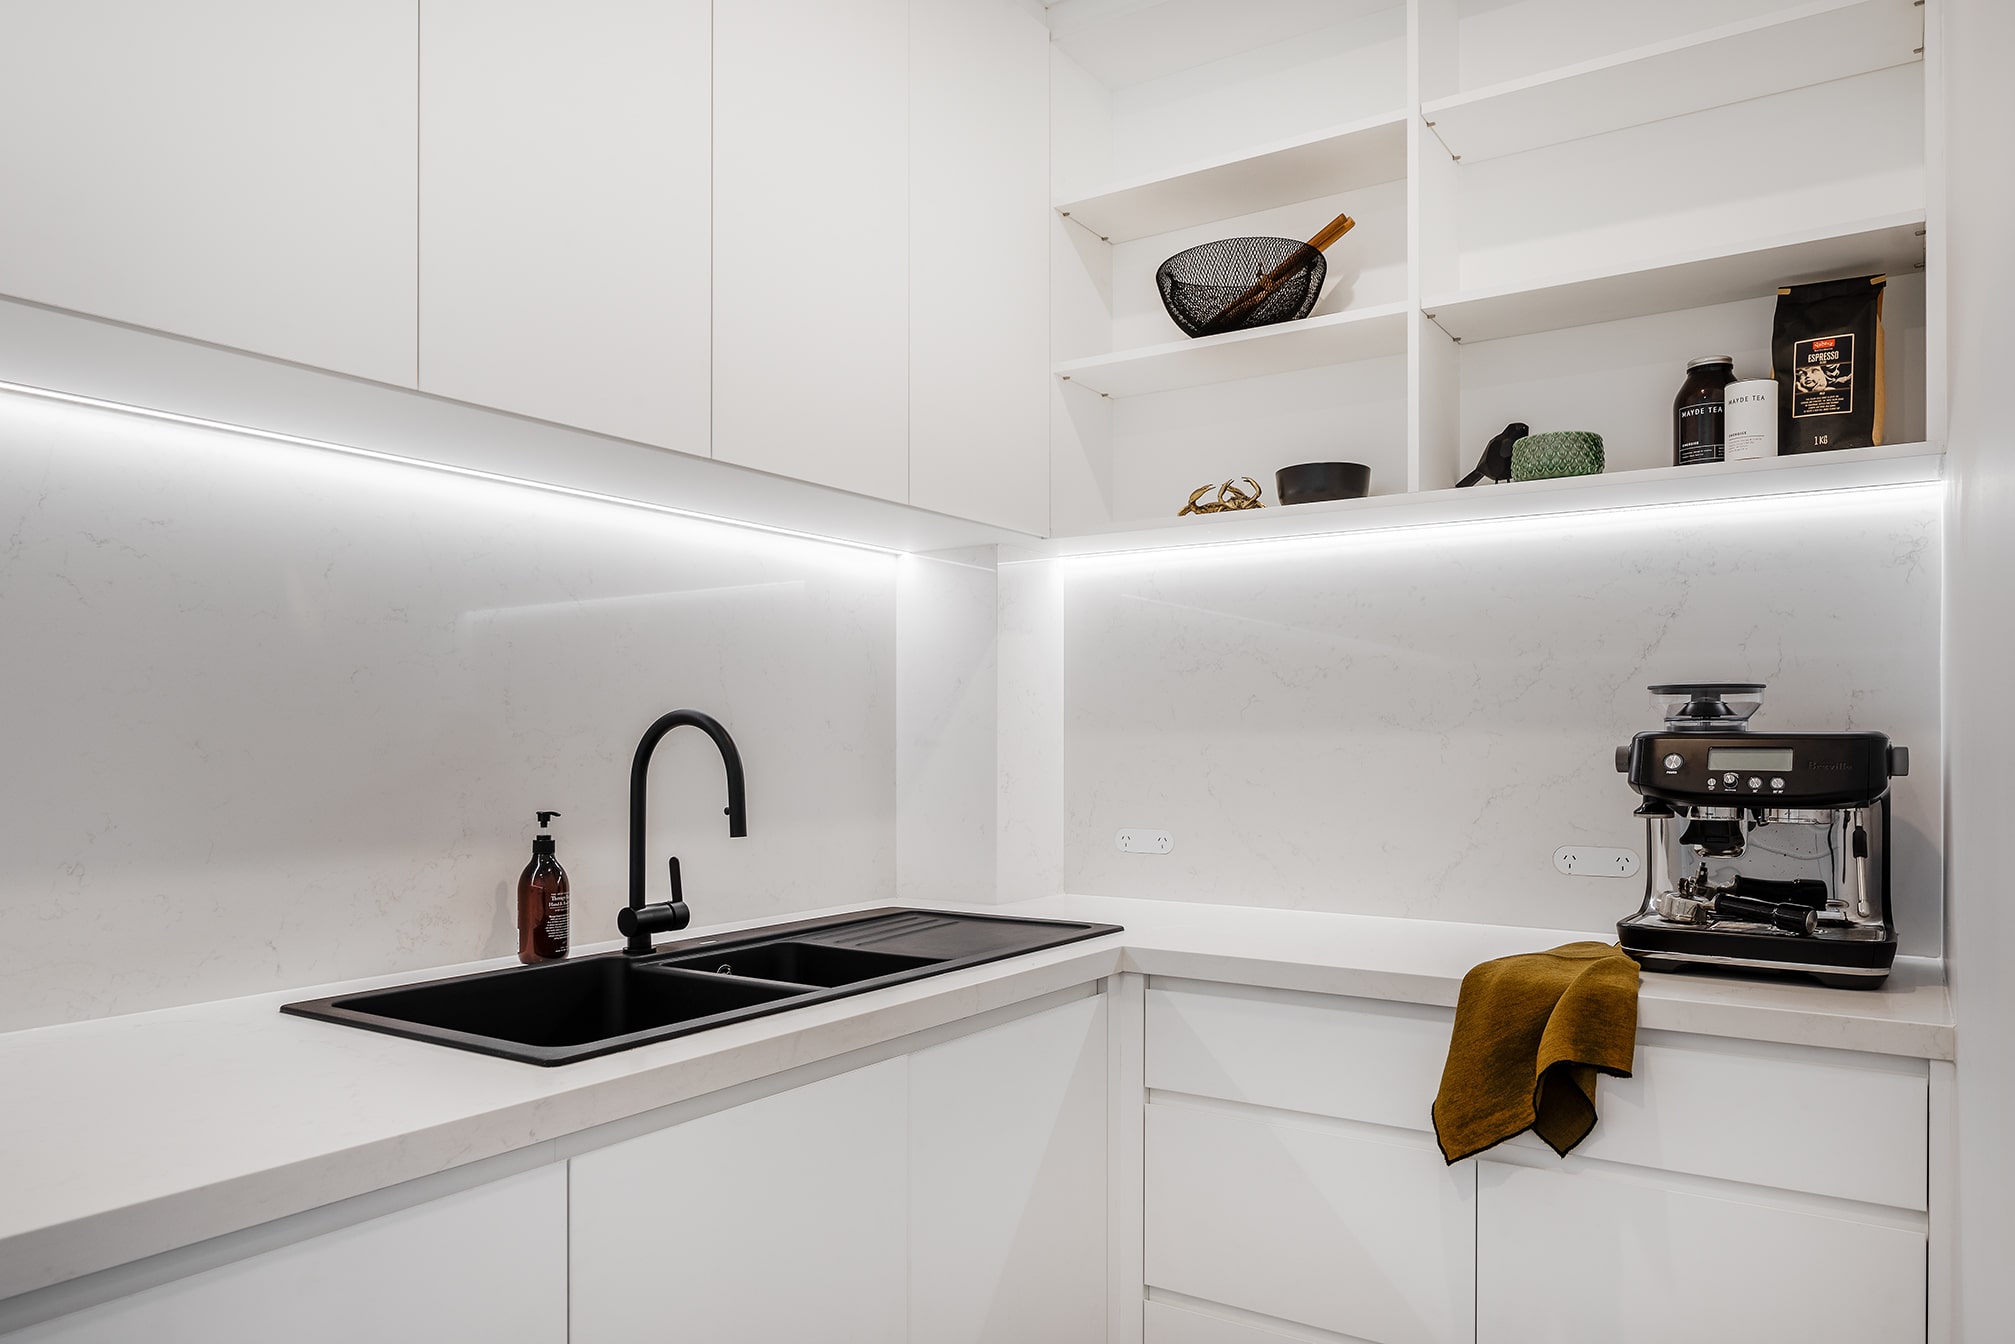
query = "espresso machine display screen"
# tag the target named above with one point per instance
(1739, 758)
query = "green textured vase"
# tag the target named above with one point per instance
(1563, 452)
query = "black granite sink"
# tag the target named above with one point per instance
(569, 1010)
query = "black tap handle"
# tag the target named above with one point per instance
(678, 891)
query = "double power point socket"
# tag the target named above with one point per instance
(1131, 841)
(1588, 861)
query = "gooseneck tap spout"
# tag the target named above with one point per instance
(641, 920)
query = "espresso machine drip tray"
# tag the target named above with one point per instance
(1844, 958)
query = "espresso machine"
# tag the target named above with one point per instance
(1767, 852)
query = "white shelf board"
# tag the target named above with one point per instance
(1848, 469)
(1335, 338)
(1358, 154)
(1885, 243)
(1771, 53)
(1123, 43)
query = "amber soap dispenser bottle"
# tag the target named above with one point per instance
(542, 901)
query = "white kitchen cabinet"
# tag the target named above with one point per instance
(1351, 1228)
(979, 223)
(1008, 1182)
(565, 212)
(1257, 1047)
(231, 170)
(489, 1263)
(1290, 1171)
(1590, 1251)
(1165, 1323)
(783, 1218)
(811, 241)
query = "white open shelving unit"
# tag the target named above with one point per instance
(1581, 214)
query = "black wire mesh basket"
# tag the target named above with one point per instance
(1236, 284)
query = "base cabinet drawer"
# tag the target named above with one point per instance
(1353, 1058)
(1166, 1323)
(1346, 1228)
(1582, 1252)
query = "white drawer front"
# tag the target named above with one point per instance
(1832, 1122)
(1165, 1323)
(1579, 1253)
(1363, 1232)
(1358, 1059)
(1828, 1122)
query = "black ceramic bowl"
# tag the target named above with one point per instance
(1311, 481)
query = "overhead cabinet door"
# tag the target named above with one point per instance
(565, 207)
(811, 241)
(237, 171)
(979, 261)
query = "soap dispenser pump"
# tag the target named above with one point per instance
(542, 901)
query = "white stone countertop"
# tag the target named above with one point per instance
(129, 1136)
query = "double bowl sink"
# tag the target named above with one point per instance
(564, 1011)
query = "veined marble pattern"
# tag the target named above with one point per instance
(278, 717)
(1410, 723)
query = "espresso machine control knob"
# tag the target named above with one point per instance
(1674, 760)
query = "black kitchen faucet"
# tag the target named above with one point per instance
(640, 921)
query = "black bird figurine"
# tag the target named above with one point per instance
(1496, 460)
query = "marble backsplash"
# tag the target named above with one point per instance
(1409, 723)
(277, 717)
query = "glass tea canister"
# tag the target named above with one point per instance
(1699, 414)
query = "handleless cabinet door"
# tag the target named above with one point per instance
(565, 207)
(980, 219)
(486, 1264)
(1579, 1251)
(1361, 1230)
(780, 1219)
(1008, 1182)
(238, 171)
(811, 240)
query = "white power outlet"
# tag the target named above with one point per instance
(1132, 841)
(1589, 861)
